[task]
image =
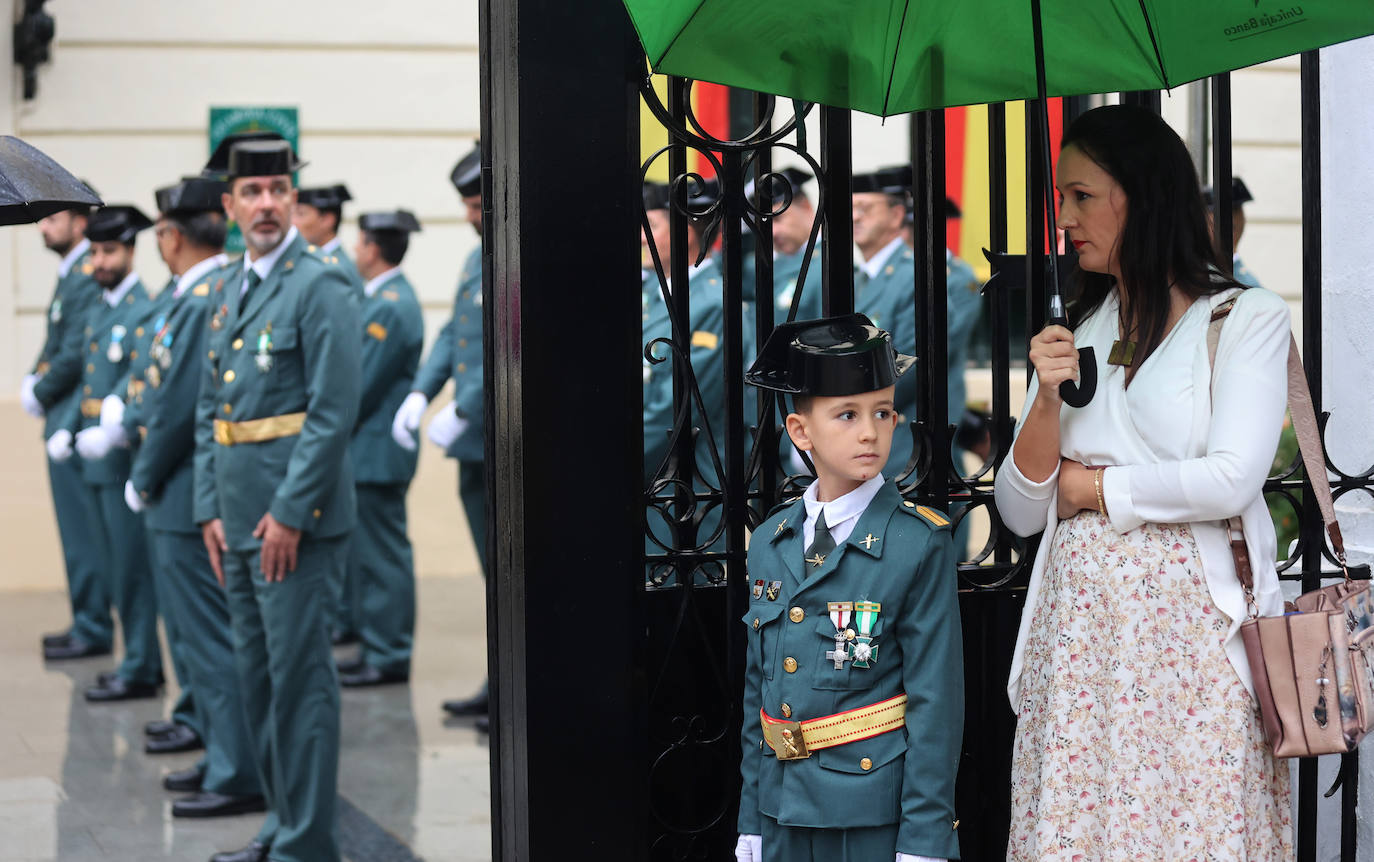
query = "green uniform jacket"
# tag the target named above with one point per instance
(908, 567)
(110, 348)
(63, 356)
(292, 347)
(707, 355)
(332, 252)
(131, 387)
(393, 336)
(163, 471)
(457, 353)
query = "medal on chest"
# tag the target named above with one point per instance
(55, 315)
(840, 613)
(263, 357)
(217, 322)
(863, 651)
(160, 351)
(116, 351)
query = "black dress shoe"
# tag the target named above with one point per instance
(369, 675)
(344, 638)
(352, 665)
(180, 738)
(75, 647)
(476, 705)
(207, 804)
(254, 852)
(184, 780)
(57, 638)
(120, 689)
(482, 723)
(159, 727)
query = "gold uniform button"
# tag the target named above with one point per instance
(88, 390)
(90, 366)
(211, 354)
(229, 376)
(462, 318)
(238, 343)
(756, 623)
(93, 347)
(139, 332)
(796, 615)
(789, 664)
(462, 366)
(908, 504)
(133, 354)
(865, 764)
(228, 408)
(318, 513)
(849, 634)
(787, 710)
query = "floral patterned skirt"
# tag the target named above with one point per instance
(1135, 738)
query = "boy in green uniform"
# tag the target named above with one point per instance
(274, 494)
(381, 567)
(853, 696)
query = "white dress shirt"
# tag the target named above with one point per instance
(329, 247)
(1176, 452)
(841, 513)
(70, 258)
(116, 296)
(874, 264)
(263, 265)
(372, 286)
(193, 273)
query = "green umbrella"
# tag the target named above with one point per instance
(890, 57)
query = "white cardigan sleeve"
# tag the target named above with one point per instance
(1250, 394)
(1022, 504)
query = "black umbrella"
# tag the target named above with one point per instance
(33, 186)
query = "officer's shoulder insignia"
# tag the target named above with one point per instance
(311, 248)
(376, 330)
(889, 270)
(702, 338)
(391, 295)
(202, 289)
(290, 265)
(934, 516)
(87, 268)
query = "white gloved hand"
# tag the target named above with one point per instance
(447, 427)
(407, 420)
(111, 412)
(749, 848)
(28, 399)
(131, 498)
(60, 445)
(93, 443)
(910, 857)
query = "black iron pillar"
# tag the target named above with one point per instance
(564, 435)
(837, 296)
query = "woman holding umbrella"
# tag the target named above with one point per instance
(1137, 735)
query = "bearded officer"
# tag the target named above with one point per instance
(274, 494)
(52, 392)
(381, 567)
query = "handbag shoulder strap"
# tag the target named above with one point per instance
(1309, 442)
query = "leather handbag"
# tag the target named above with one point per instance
(1313, 667)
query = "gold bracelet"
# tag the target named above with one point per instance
(1097, 483)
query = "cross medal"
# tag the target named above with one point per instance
(839, 615)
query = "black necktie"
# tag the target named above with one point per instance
(821, 545)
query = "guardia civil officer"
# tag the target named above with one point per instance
(51, 391)
(853, 694)
(458, 428)
(791, 234)
(192, 230)
(274, 493)
(381, 567)
(318, 214)
(104, 448)
(1240, 195)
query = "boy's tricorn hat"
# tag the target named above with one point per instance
(832, 356)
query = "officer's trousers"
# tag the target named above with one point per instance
(472, 491)
(131, 583)
(383, 569)
(78, 525)
(183, 711)
(291, 692)
(801, 844)
(199, 605)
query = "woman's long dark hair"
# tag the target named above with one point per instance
(1165, 235)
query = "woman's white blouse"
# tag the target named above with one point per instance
(1181, 446)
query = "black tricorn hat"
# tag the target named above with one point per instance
(218, 165)
(117, 223)
(894, 180)
(191, 195)
(776, 185)
(262, 159)
(1240, 194)
(467, 174)
(400, 221)
(702, 195)
(844, 355)
(324, 197)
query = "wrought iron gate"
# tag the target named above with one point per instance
(698, 508)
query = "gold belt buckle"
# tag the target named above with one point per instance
(791, 743)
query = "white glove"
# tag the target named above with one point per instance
(60, 445)
(93, 443)
(27, 398)
(407, 420)
(749, 848)
(447, 427)
(112, 413)
(131, 498)
(909, 857)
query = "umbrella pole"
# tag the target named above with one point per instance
(1080, 393)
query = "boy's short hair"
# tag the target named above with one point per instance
(803, 403)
